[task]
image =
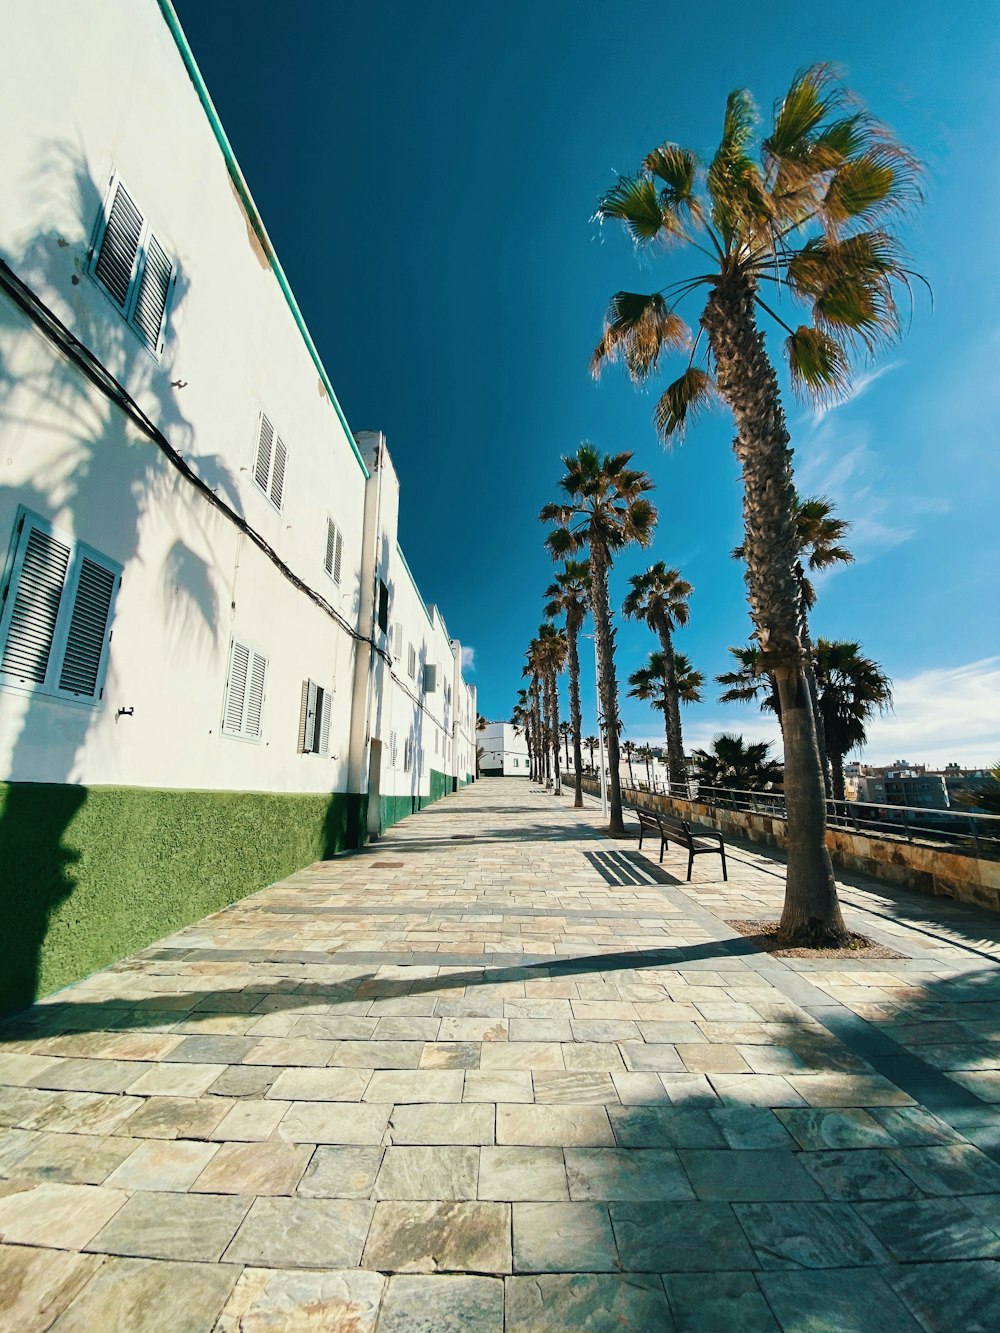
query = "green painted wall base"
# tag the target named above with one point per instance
(394, 808)
(89, 875)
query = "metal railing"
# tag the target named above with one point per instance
(965, 829)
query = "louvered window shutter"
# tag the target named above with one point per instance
(239, 667)
(303, 744)
(88, 626)
(324, 724)
(265, 444)
(31, 618)
(331, 547)
(309, 721)
(338, 557)
(278, 472)
(119, 247)
(152, 290)
(255, 695)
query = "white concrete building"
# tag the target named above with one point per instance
(215, 665)
(503, 751)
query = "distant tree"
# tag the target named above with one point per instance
(628, 750)
(592, 743)
(569, 596)
(733, 763)
(659, 596)
(605, 509)
(650, 683)
(807, 211)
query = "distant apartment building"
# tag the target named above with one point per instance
(901, 783)
(215, 663)
(503, 751)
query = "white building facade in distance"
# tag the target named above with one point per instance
(215, 664)
(503, 751)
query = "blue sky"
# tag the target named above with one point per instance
(428, 175)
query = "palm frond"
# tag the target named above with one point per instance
(638, 328)
(810, 99)
(882, 179)
(682, 401)
(635, 201)
(818, 364)
(739, 199)
(677, 168)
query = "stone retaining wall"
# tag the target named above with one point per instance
(944, 871)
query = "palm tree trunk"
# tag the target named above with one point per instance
(536, 711)
(747, 382)
(575, 712)
(554, 714)
(837, 764)
(608, 681)
(628, 760)
(811, 681)
(675, 742)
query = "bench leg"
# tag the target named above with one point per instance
(663, 843)
(722, 853)
(690, 863)
(640, 837)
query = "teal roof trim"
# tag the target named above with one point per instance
(253, 217)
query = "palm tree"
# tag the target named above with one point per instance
(812, 219)
(549, 656)
(531, 672)
(569, 596)
(820, 541)
(592, 743)
(520, 719)
(646, 755)
(628, 750)
(733, 763)
(605, 509)
(852, 688)
(659, 596)
(650, 683)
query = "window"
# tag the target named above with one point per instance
(408, 754)
(314, 719)
(270, 461)
(397, 640)
(132, 266)
(334, 550)
(383, 607)
(393, 750)
(411, 662)
(430, 679)
(244, 692)
(55, 618)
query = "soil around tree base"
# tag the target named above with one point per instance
(764, 934)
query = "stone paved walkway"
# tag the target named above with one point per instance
(500, 1074)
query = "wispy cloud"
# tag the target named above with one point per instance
(468, 659)
(859, 386)
(944, 715)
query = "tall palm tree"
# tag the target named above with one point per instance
(659, 596)
(733, 763)
(592, 743)
(564, 731)
(628, 750)
(531, 672)
(520, 718)
(650, 683)
(646, 755)
(811, 216)
(852, 688)
(549, 653)
(569, 595)
(750, 682)
(605, 509)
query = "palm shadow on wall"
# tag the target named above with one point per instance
(100, 479)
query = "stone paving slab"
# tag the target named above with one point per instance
(500, 1073)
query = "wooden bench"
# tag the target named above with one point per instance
(668, 828)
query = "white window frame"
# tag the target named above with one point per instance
(146, 234)
(411, 662)
(241, 734)
(266, 488)
(25, 521)
(334, 539)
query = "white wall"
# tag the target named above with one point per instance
(504, 750)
